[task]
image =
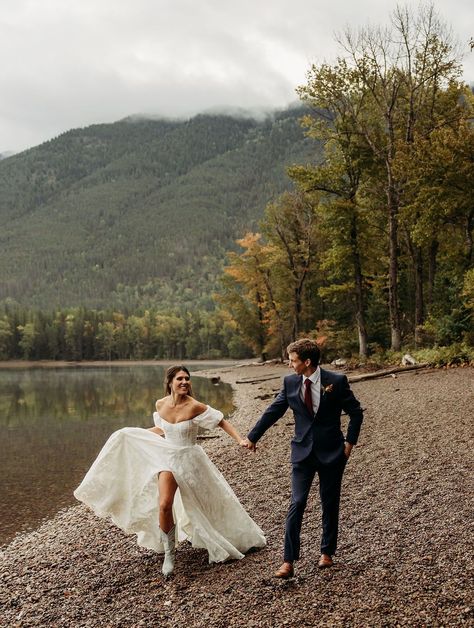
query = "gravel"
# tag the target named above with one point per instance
(405, 554)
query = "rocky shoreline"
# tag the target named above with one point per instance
(405, 556)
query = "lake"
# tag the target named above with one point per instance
(54, 421)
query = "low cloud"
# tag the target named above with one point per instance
(75, 64)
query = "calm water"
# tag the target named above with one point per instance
(53, 423)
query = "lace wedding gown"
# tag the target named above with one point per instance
(122, 484)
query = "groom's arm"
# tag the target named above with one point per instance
(271, 415)
(351, 407)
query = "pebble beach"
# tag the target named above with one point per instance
(405, 555)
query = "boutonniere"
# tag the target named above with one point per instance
(326, 389)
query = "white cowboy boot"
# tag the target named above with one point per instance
(168, 540)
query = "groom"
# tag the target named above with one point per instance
(317, 398)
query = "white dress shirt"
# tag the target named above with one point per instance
(315, 379)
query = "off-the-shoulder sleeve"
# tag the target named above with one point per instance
(156, 419)
(209, 419)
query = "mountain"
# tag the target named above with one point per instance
(139, 212)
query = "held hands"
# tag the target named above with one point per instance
(347, 449)
(248, 445)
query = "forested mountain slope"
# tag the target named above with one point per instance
(139, 212)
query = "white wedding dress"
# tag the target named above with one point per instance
(122, 484)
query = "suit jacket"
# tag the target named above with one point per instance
(321, 434)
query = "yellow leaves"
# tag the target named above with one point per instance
(273, 266)
(234, 272)
(249, 241)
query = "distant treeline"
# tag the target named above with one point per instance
(83, 334)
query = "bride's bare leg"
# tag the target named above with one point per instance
(167, 487)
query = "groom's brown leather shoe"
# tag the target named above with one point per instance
(285, 571)
(325, 561)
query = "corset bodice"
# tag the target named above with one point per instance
(183, 433)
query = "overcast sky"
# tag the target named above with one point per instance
(71, 63)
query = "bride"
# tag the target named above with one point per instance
(159, 484)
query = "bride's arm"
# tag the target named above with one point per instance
(230, 429)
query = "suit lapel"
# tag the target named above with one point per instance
(324, 377)
(324, 381)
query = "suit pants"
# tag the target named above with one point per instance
(330, 481)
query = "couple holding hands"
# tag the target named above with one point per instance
(159, 484)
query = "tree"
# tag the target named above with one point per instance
(341, 217)
(290, 229)
(106, 338)
(6, 336)
(265, 284)
(389, 88)
(28, 338)
(244, 289)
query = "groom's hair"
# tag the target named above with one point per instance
(305, 349)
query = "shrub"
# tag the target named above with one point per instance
(455, 354)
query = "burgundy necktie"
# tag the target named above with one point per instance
(308, 402)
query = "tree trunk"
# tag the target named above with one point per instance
(417, 260)
(394, 308)
(469, 239)
(261, 335)
(359, 292)
(296, 314)
(419, 304)
(298, 305)
(433, 252)
(279, 322)
(362, 333)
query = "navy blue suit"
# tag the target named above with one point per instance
(317, 447)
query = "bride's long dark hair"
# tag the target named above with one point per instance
(170, 375)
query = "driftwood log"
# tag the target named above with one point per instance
(351, 378)
(258, 380)
(386, 372)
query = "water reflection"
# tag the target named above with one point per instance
(53, 423)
